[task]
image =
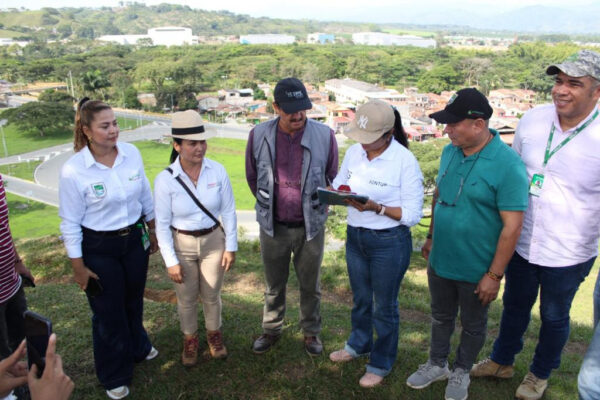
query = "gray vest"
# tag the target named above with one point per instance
(316, 141)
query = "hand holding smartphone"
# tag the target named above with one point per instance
(37, 332)
(94, 288)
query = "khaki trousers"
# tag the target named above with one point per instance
(200, 260)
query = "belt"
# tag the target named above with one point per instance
(293, 224)
(118, 232)
(200, 232)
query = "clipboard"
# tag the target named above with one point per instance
(336, 197)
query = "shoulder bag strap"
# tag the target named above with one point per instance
(187, 189)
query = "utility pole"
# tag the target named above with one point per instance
(2, 123)
(72, 89)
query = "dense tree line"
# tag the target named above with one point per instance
(114, 72)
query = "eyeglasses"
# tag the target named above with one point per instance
(462, 182)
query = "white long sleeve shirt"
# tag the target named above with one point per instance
(174, 207)
(92, 195)
(393, 179)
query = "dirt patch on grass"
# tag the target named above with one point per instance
(578, 348)
(414, 316)
(161, 295)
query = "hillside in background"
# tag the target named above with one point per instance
(62, 23)
(138, 18)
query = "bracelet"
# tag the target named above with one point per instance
(494, 276)
(382, 210)
(429, 235)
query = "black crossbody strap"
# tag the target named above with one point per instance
(187, 189)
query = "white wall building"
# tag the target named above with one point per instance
(269, 38)
(358, 92)
(387, 39)
(162, 36)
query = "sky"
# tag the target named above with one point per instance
(381, 11)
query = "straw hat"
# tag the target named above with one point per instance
(189, 125)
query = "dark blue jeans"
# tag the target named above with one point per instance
(119, 336)
(557, 287)
(377, 261)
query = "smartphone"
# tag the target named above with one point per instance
(27, 282)
(37, 331)
(94, 288)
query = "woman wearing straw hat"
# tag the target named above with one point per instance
(378, 243)
(189, 196)
(105, 203)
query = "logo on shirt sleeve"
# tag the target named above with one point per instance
(99, 189)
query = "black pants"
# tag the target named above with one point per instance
(12, 329)
(120, 340)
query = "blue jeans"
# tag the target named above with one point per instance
(119, 337)
(589, 375)
(377, 261)
(557, 287)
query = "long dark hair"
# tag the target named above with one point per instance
(398, 130)
(174, 152)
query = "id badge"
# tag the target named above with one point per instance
(145, 237)
(537, 182)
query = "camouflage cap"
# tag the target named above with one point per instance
(582, 63)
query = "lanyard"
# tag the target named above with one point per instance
(549, 153)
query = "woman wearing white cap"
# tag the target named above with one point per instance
(105, 203)
(378, 244)
(189, 196)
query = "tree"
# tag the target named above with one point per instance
(95, 81)
(130, 99)
(55, 96)
(41, 116)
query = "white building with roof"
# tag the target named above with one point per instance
(270, 38)
(387, 39)
(358, 92)
(161, 36)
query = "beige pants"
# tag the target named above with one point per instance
(200, 260)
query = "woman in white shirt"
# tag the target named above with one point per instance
(196, 249)
(378, 243)
(105, 204)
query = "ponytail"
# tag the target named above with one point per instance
(399, 133)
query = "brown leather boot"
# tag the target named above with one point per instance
(189, 356)
(215, 344)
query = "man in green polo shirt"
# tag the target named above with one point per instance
(477, 213)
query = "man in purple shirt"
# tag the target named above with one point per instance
(287, 159)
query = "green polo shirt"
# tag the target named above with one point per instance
(465, 235)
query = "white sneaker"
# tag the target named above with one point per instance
(118, 392)
(153, 353)
(427, 374)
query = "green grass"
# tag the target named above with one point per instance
(286, 372)
(229, 152)
(30, 219)
(18, 142)
(23, 170)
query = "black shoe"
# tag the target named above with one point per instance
(264, 342)
(313, 345)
